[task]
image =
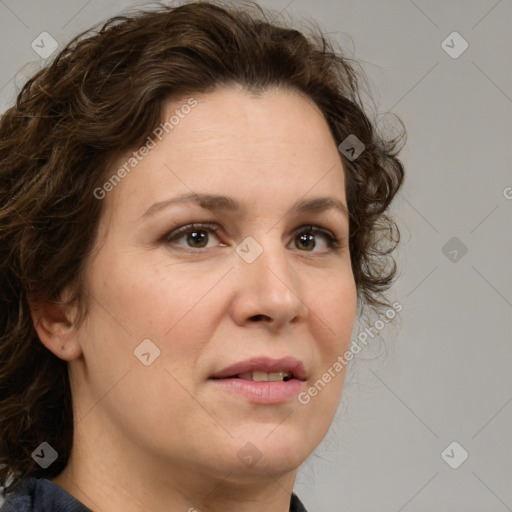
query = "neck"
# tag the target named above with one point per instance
(110, 494)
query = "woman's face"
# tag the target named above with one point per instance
(254, 283)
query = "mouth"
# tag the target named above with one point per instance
(264, 369)
(261, 376)
(263, 380)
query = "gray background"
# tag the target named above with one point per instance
(443, 373)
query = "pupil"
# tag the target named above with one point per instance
(307, 237)
(196, 237)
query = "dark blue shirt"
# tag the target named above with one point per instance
(42, 495)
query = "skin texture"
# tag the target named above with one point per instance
(164, 437)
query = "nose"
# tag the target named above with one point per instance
(268, 289)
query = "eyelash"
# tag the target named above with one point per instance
(332, 241)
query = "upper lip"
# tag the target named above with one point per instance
(264, 364)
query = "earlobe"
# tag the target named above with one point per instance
(56, 330)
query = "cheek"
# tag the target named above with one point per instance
(333, 311)
(177, 310)
(154, 299)
(334, 314)
(334, 325)
(132, 303)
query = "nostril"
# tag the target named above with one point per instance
(258, 317)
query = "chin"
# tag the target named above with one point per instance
(277, 453)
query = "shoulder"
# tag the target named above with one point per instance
(40, 495)
(296, 505)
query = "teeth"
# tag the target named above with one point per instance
(265, 376)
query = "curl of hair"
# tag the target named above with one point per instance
(102, 96)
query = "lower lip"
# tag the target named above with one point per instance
(262, 392)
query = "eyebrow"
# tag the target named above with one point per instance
(216, 202)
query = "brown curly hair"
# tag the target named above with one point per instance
(101, 97)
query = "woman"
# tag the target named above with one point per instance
(192, 215)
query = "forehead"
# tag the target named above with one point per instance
(270, 148)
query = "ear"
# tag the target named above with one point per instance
(54, 324)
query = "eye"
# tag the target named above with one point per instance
(306, 238)
(196, 236)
